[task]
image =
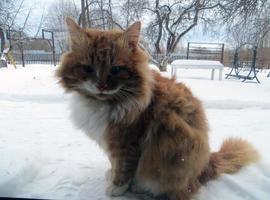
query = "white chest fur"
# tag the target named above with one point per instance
(90, 116)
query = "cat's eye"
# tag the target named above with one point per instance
(116, 70)
(89, 69)
(85, 67)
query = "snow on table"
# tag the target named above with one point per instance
(197, 64)
(43, 156)
(200, 64)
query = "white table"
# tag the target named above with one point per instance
(198, 64)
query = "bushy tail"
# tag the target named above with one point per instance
(233, 154)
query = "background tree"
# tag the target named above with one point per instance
(55, 18)
(251, 25)
(15, 15)
(55, 21)
(167, 22)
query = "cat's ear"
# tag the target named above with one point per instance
(72, 26)
(77, 36)
(132, 34)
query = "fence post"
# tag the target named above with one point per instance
(222, 54)
(254, 56)
(2, 38)
(235, 58)
(22, 52)
(53, 46)
(188, 51)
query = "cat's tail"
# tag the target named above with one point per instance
(234, 154)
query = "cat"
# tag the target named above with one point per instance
(154, 130)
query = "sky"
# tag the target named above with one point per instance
(38, 7)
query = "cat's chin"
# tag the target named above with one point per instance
(102, 96)
(106, 95)
(89, 90)
(98, 96)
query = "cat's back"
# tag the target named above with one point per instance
(171, 98)
(171, 95)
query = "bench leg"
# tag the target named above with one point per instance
(220, 74)
(212, 74)
(172, 71)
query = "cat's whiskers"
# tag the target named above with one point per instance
(126, 104)
(129, 90)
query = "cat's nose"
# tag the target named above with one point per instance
(102, 86)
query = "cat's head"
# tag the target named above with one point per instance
(105, 65)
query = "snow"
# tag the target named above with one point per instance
(154, 67)
(201, 64)
(44, 156)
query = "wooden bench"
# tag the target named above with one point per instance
(202, 56)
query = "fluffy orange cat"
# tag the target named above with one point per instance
(153, 130)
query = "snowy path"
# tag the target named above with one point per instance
(43, 156)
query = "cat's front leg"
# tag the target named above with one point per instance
(116, 190)
(123, 151)
(108, 175)
(119, 178)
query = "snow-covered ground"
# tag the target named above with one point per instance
(43, 156)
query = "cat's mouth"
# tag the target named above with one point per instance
(92, 90)
(102, 96)
(107, 94)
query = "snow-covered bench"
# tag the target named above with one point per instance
(198, 64)
(202, 56)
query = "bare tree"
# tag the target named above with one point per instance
(101, 14)
(14, 15)
(83, 14)
(251, 25)
(168, 21)
(9, 11)
(174, 19)
(8, 14)
(55, 20)
(57, 12)
(131, 11)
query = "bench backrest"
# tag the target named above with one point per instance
(205, 51)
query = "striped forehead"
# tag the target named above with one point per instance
(103, 54)
(103, 43)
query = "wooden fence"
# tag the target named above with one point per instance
(40, 58)
(47, 58)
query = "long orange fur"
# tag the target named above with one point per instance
(157, 141)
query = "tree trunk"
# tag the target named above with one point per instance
(20, 45)
(3, 63)
(2, 38)
(163, 64)
(128, 13)
(102, 15)
(88, 14)
(157, 43)
(111, 15)
(158, 50)
(83, 20)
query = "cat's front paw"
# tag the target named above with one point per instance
(135, 188)
(108, 175)
(114, 190)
